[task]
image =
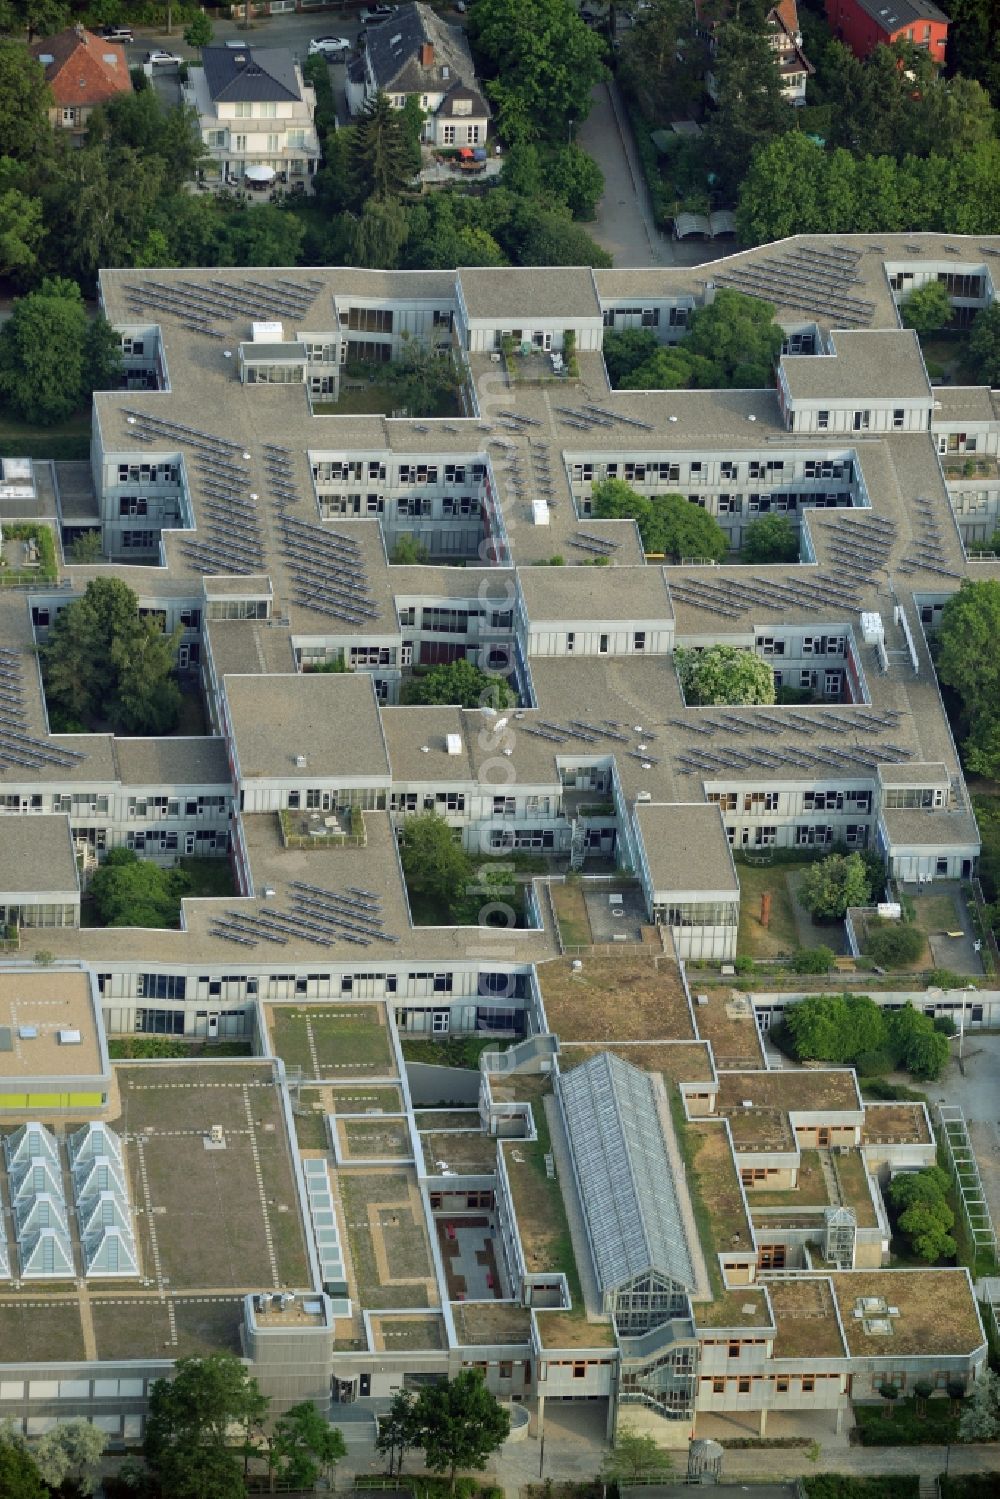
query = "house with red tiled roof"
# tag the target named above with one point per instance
(82, 71)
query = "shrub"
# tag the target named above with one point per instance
(893, 944)
(813, 960)
(836, 882)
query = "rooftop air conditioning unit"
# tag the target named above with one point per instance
(701, 999)
(644, 796)
(748, 1103)
(27, 1032)
(453, 743)
(69, 1038)
(300, 761)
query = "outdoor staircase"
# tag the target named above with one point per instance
(930, 1487)
(577, 844)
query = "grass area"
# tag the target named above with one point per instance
(211, 879)
(483, 1322)
(214, 1227)
(374, 1140)
(730, 1309)
(679, 1061)
(571, 915)
(587, 1005)
(844, 1486)
(310, 1131)
(463, 1152)
(780, 936)
(713, 1166)
(377, 399)
(945, 356)
(39, 1331)
(14, 550)
(811, 1191)
(325, 1042)
(852, 1176)
(147, 1048)
(402, 1334)
(362, 1100)
(904, 1427)
(702, 1216)
(453, 1051)
(67, 441)
(383, 1198)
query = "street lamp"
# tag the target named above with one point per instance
(569, 132)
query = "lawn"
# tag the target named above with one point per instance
(779, 937)
(327, 1042)
(454, 1051)
(386, 1197)
(571, 914)
(944, 354)
(211, 879)
(903, 1427)
(66, 441)
(376, 399)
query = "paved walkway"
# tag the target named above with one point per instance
(623, 225)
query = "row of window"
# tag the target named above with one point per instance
(147, 473)
(855, 835)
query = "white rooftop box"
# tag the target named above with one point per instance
(872, 629)
(267, 333)
(540, 512)
(453, 744)
(69, 1038)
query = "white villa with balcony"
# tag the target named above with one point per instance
(254, 111)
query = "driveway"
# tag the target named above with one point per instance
(624, 225)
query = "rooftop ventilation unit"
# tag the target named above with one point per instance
(27, 1032)
(300, 762)
(69, 1038)
(453, 743)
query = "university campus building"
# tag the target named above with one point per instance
(313, 1205)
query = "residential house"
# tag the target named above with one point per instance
(254, 111)
(416, 54)
(785, 37)
(866, 24)
(83, 71)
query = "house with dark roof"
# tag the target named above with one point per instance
(416, 53)
(82, 71)
(866, 24)
(256, 115)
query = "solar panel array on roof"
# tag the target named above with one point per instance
(17, 745)
(810, 279)
(319, 916)
(615, 1124)
(925, 553)
(327, 569)
(814, 594)
(199, 305)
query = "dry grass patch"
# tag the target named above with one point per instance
(616, 997)
(374, 1140)
(743, 1306)
(780, 936)
(485, 1322)
(571, 914)
(35, 1331)
(398, 1334)
(137, 1329)
(678, 1061)
(937, 1311)
(572, 1330)
(806, 1320)
(713, 1165)
(904, 1122)
(475, 1154)
(727, 1020)
(811, 1191)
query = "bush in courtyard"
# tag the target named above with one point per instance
(813, 960)
(924, 1217)
(893, 944)
(834, 884)
(724, 674)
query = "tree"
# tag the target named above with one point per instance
(24, 104)
(396, 1431)
(71, 1454)
(263, 235)
(649, 64)
(927, 308)
(576, 178)
(920, 1201)
(751, 109)
(408, 552)
(86, 547)
(668, 523)
(547, 236)
(461, 682)
(980, 1419)
(984, 345)
(836, 1027)
(636, 1457)
(129, 891)
(100, 207)
(541, 63)
(19, 1476)
(199, 30)
(436, 866)
(893, 944)
(102, 661)
(186, 1444)
(22, 233)
(968, 661)
(379, 233)
(739, 334)
(305, 1445)
(724, 674)
(836, 882)
(50, 360)
(380, 148)
(916, 1044)
(770, 538)
(813, 960)
(627, 349)
(460, 1424)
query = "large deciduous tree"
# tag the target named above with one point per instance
(25, 131)
(438, 870)
(984, 345)
(105, 662)
(129, 891)
(460, 1424)
(19, 1476)
(750, 107)
(305, 1446)
(51, 356)
(461, 682)
(770, 538)
(186, 1444)
(927, 308)
(724, 674)
(636, 1458)
(70, 1455)
(969, 662)
(541, 63)
(650, 63)
(836, 882)
(924, 1217)
(668, 524)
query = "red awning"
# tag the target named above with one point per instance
(466, 153)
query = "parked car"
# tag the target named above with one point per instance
(329, 46)
(372, 15)
(116, 33)
(161, 59)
